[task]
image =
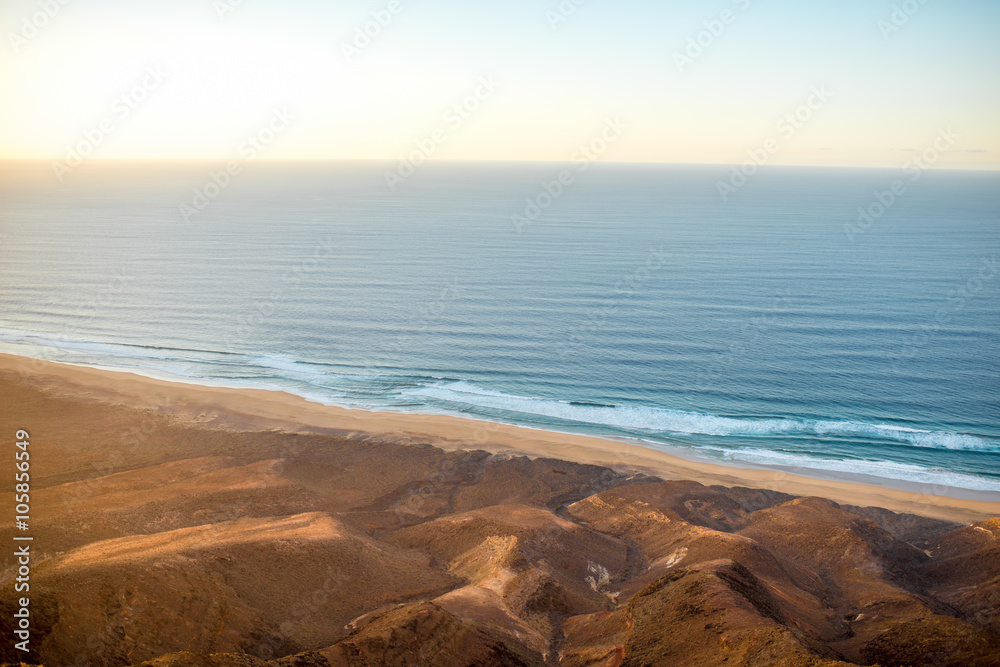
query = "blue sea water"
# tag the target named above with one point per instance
(771, 330)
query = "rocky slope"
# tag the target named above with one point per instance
(212, 547)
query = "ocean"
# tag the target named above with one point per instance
(814, 321)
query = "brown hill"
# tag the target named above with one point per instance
(262, 586)
(964, 572)
(171, 538)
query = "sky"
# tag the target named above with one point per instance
(868, 83)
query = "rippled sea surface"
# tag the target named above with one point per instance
(769, 330)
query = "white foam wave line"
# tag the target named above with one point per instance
(883, 469)
(656, 420)
(653, 420)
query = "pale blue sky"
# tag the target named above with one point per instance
(557, 88)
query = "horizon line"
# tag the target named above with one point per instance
(178, 160)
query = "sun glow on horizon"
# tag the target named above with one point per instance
(181, 82)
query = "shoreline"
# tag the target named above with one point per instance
(892, 472)
(264, 409)
(678, 449)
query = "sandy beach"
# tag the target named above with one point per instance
(262, 410)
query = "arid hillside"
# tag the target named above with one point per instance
(195, 544)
